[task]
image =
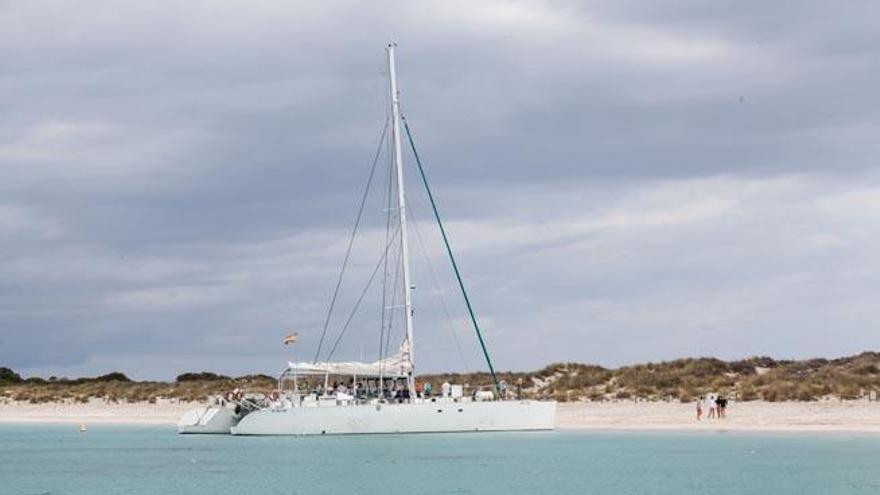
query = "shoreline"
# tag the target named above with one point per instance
(757, 416)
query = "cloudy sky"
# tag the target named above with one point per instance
(623, 181)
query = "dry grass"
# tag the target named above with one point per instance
(117, 388)
(686, 379)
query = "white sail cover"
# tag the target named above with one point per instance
(396, 365)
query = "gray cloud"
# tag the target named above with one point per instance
(624, 181)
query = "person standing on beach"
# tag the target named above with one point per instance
(721, 401)
(700, 408)
(712, 406)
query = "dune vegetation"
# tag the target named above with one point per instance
(757, 378)
(117, 387)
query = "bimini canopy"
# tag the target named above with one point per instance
(396, 365)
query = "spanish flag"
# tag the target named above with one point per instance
(291, 338)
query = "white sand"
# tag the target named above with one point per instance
(96, 411)
(830, 416)
(862, 416)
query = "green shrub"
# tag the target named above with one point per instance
(9, 376)
(112, 377)
(200, 377)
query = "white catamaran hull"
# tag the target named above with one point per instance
(210, 419)
(427, 417)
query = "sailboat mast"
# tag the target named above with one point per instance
(401, 209)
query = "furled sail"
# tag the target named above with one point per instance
(395, 365)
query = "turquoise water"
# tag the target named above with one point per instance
(57, 459)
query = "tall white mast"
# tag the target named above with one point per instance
(401, 209)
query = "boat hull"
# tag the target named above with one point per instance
(426, 417)
(208, 420)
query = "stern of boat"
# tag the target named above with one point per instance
(208, 420)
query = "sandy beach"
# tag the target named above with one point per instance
(95, 411)
(830, 416)
(826, 416)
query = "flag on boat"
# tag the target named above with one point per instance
(291, 338)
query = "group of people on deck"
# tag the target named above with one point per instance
(714, 406)
(397, 390)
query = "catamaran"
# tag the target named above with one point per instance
(380, 396)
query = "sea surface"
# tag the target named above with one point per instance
(57, 459)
